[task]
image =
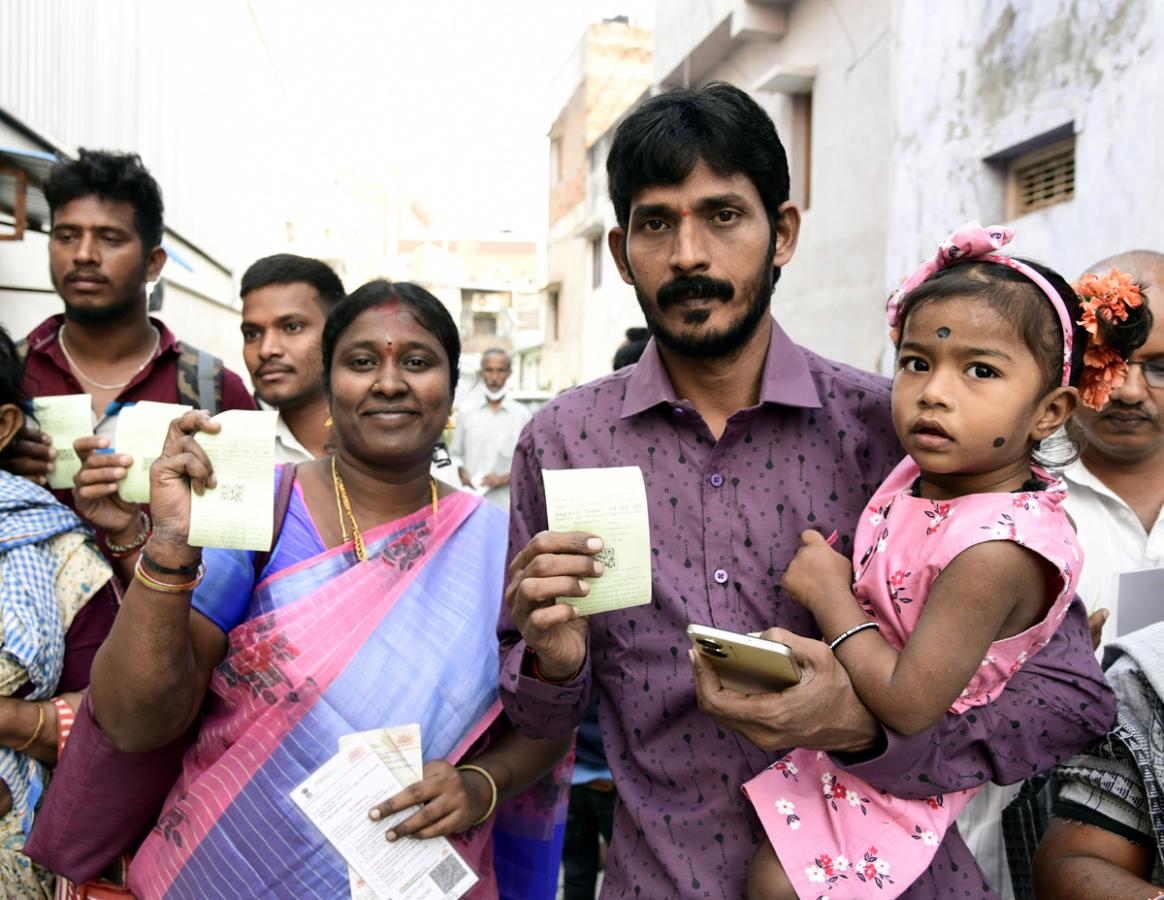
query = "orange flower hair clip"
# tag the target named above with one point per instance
(1109, 297)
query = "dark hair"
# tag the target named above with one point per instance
(428, 309)
(12, 381)
(111, 176)
(664, 138)
(638, 333)
(1020, 301)
(628, 354)
(11, 373)
(287, 268)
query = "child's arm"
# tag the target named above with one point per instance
(992, 589)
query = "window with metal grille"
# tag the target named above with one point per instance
(1041, 178)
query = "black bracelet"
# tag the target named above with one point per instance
(189, 570)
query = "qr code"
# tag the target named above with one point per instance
(232, 493)
(606, 557)
(448, 873)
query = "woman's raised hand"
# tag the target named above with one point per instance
(182, 467)
(450, 799)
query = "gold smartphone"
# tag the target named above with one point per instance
(753, 665)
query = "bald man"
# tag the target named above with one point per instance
(1116, 488)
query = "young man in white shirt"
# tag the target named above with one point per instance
(487, 430)
(286, 299)
(1116, 488)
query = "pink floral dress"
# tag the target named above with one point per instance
(836, 835)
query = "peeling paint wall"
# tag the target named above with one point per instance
(973, 84)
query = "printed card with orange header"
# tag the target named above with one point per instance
(399, 748)
(337, 797)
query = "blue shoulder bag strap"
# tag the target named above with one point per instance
(282, 503)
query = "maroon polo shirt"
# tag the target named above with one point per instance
(47, 372)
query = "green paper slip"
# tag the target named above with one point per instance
(141, 432)
(611, 503)
(66, 418)
(238, 513)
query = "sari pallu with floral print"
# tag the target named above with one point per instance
(334, 646)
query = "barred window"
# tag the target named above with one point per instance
(1041, 178)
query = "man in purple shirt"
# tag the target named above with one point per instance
(744, 440)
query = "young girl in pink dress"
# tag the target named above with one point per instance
(965, 558)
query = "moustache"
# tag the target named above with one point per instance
(686, 287)
(1119, 408)
(86, 275)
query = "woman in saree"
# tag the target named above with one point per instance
(375, 607)
(56, 606)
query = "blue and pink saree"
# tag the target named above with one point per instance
(328, 646)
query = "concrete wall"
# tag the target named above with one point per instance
(973, 85)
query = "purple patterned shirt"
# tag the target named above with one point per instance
(725, 522)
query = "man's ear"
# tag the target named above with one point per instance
(11, 421)
(787, 233)
(616, 241)
(1056, 409)
(154, 263)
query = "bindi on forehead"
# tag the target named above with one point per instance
(685, 213)
(943, 333)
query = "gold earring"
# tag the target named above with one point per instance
(327, 423)
(450, 424)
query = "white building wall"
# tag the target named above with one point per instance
(1000, 73)
(611, 308)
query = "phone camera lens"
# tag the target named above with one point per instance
(711, 648)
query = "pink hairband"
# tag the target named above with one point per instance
(972, 241)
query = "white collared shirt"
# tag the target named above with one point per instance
(1113, 540)
(483, 441)
(288, 448)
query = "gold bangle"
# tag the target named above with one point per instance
(492, 786)
(40, 728)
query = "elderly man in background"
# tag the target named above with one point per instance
(487, 430)
(1116, 488)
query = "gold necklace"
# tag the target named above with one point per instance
(97, 384)
(344, 508)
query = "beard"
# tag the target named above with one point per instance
(102, 314)
(723, 343)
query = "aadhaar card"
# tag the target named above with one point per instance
(337, 797)
(66, 418)
(611, 503)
